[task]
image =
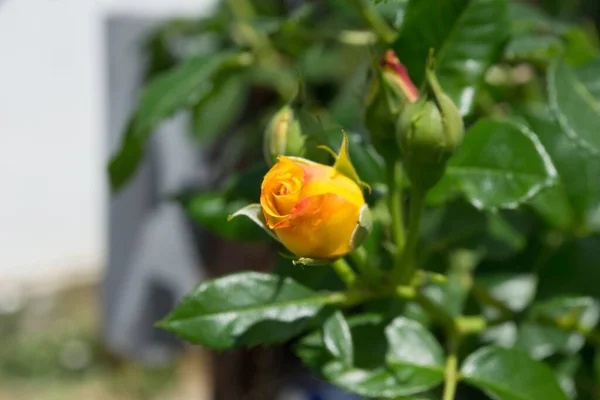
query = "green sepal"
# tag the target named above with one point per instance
(343, 164)
(254, 212)
(363, 228)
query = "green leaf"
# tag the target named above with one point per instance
(577, 196)
(218, 109)
(211, 211)
(247, 308)
(338, 339)
(466, 36)
(500, 164)
(578, 47)
(565, 371)
(515, 291)
(460, 225)
(162, 97)
(507, 374)
(540, 336)
(393, 11)
(572, 270)
(576, 110)
(246, 184)
(589, 76)
(399, 359)
(526, 18)
(528, 48)
(254, 212)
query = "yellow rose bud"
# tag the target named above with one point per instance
(313, 209)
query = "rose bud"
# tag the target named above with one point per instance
(283, 136)
(429, 131)
(316, 211)
(390, 91)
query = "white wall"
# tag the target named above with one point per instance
(52, 120)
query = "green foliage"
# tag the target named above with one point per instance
(390, 360)
(504, 250)
(507, 374)
(466, 36)
(245, 309)
(499, 165)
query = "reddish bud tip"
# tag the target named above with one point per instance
(392, 64)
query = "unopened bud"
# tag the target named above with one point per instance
(429, 131)
(283, 136)
(390, 91)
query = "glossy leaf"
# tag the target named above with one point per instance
(466, 36)
(577, 196)
(500, 164)
(576, 110)
(399, 359)
(247, 308)
(338, 339)
(171, 91)
(507, 374)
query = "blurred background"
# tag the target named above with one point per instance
(82, 277)
(55, 119)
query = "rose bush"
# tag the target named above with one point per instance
(468, 269)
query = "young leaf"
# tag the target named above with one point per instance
(247, 308)
(466, 36)
(398, 360)
(500, 164)
(338, 339)
(577, 111)
(507, 374)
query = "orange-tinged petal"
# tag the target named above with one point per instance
(320, 227)
(320, 179)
